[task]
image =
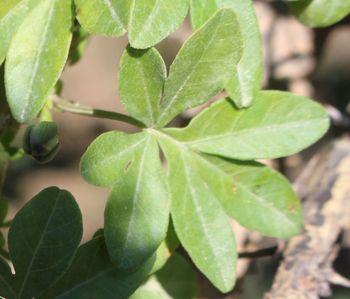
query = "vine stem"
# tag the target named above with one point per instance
(64, 105)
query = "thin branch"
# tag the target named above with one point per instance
(64, 105)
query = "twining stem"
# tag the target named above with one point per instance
(76, 108)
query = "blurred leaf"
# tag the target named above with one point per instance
(2, 240)
(148, 22)
(6, 281)
(137, 212)
(151, 21)
(320, 13)
(43, 239)
(260, 198)
(141, 80)
(100, 16)
(3, 210)
(247, 77)
(12, 14)
(176, 280)
(203, 66)
(277, 125)
(199, 220)
(32, 71)
(92, 275)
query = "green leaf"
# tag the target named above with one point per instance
(277, 125)
(141, 80)
(100, 16)
(6, 281)
(148, 22)
(43, 239)
(320, 13)
(2, 240)
(176, 280)
(199, 220)
(203, 65)
(153, 20)
(137, 212)
(3, 210)
(92, 275)
(12, 14)
(32, 71)
(260, 198)
(108, 158)
(246, 78)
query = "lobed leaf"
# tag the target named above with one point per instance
(203, 66)
(43, 239)
(320, 13)
(246, 77)
(199, 220)
(176, 280)
(32, 71)
(141, 80)
(137, 212)
(277, 125)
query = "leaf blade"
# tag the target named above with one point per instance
(51, 247)
(137, 212)
(278, 124)
(32, 71)
(141, 80)
(246, 79)
(203, 65)
(208, 237)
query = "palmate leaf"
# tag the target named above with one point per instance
(147, 22)
(12, 14)
(203, 66)
(43, 239)
(277, 125)
(199, 220)
(32, 71)
(320, 13)
(137, 212)
(176, 280)
(141, 80)
(245, 79)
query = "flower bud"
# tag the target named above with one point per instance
(41, 141)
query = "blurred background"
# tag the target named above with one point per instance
(314, 63)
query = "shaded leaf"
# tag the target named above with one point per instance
(6, 281)
(12, 14)
(32, 71)
(246, 78)
(137, 212)
(176, 280)
(141, 80)
(203, 66)
(199, 220)
(320, 13)
(92, 275)
(3, 210)
(43, 239)
(100, 16)
(277, 125)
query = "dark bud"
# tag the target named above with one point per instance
(41, 141)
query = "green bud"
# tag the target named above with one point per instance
(41, 141)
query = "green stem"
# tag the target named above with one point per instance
(76, 108)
